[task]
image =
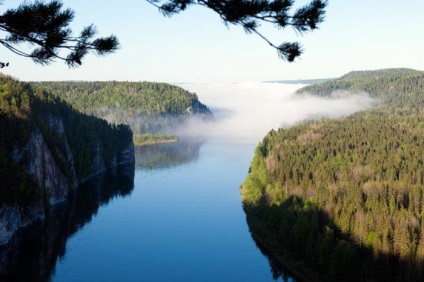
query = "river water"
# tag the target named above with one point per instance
(177, 217)
(183, 221)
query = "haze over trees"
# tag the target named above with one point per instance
(46, 26)
(342, 200)
(147, 107)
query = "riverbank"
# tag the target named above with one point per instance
(150, 139)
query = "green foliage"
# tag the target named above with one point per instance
(147, 107)
(350, 190)
(24, 110)
(149, 139)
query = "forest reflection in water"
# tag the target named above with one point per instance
(167, 155)
(183, 202)
(34, 251)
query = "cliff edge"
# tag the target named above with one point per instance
(46, 150)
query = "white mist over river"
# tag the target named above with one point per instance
(245, 112)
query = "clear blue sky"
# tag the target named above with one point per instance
(195, 46)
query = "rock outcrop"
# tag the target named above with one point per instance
(47, 149)
(41, 165)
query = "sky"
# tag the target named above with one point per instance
(196, 47)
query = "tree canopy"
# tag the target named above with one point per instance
(147, 107)
(342, 199)
(45, 26)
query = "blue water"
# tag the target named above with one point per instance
(183, 221)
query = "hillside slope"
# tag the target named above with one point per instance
(392, 86)
(147, 107)
(342, 199)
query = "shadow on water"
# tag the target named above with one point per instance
(278, 269)
(300, 240)
(34, 251)
(167, 155)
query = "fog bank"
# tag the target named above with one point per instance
(245, 112)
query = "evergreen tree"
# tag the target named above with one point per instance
(352, 187)
(45, 26)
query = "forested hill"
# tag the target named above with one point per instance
(148, 107)
(46, 149)
(391, 86)
(342, 199)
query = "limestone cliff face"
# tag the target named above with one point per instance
(43, 167)
(64, 152)
(53, 172)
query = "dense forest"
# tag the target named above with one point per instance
(343, 199)
(147, 107)
(395, 87)
(35, 125)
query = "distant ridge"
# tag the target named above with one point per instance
(353, 75)
(147, 107)
(394, 86)
(300, 81)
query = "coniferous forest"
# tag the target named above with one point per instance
(343, 199)
(147, 107)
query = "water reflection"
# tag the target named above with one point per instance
(167, 155)
(33, 252)
(278, 270)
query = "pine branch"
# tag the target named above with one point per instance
(251, 13)
(45, 27)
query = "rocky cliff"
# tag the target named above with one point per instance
(46, 150)
(42, 167)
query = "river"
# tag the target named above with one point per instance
(180, 219)
(183, 222)
(178, 215)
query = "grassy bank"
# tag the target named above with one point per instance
(149, 139)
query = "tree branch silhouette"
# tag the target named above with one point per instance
(45, 29)
(251, 13)
(45, 26)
